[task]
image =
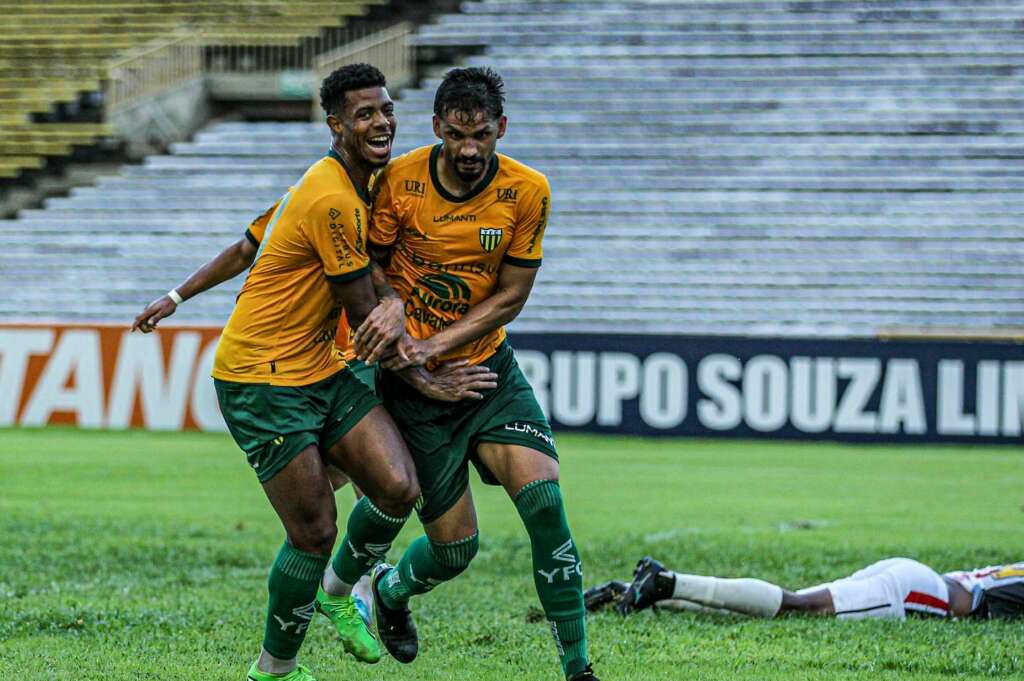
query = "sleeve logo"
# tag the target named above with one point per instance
(490, 237)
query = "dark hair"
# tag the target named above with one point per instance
(344, 79)
(469, 91)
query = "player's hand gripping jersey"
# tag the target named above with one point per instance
(997, 591)
(284, 323)
(447, 250)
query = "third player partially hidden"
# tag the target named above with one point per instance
(458, 229)
(890, 588)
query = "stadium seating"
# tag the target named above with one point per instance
(828, 168)
(53, 52)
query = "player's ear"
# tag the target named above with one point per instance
(334, 123)
(502, 126)
(437, 127)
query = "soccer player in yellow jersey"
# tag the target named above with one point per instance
(460, 227)
(289, 400)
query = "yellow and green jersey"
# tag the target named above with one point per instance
(283, 326)
(447, 250)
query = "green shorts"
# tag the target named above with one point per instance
(367, 373)
(443, 436)
(273, 423)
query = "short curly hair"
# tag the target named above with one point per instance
(345, 79)
(469, 91)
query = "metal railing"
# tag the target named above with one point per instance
(389, 50)
(139, 74)
(144, 72)
(299, 54)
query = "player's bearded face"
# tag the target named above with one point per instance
(369, 125)
(469, 141)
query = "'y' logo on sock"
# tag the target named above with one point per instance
(303, 615)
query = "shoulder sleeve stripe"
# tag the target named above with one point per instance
(251, 238)
(520, 262)
(348, 276)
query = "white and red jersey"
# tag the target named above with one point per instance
(978, 582)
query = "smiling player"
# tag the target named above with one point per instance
(291, 404)
(288, 401)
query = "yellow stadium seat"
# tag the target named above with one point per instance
(52, 51)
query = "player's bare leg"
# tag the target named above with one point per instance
(375, 458)
(530, 478)
(808, 602)
(302, 496)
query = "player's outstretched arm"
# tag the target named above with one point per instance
(509, 297)
(226, 265)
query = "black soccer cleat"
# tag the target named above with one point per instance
(596, 597)
(395, 628)
(585, 675)
(645, 590)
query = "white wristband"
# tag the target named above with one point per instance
(175, 296)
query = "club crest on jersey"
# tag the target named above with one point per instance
(507, 194)
(490, 237)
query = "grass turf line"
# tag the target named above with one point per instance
(144, 556)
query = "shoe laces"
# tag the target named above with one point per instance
(347, 608)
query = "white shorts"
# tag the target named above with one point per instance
(889, 588)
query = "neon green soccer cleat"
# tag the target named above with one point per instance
(358, 640)
(300, 673)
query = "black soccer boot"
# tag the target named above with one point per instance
(596, 597)
(585, 675)
(651, 583)
(394, 627)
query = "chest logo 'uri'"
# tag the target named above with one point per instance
(490, 237)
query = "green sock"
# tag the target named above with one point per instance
(368, 537)
(557, 570)
(424, 565)
(293, 582)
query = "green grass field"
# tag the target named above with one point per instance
(144, 556)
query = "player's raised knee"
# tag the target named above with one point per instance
(407, 490)
(316, 537)
(399, 495)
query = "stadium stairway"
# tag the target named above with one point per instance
(733, 167)
(54, 53)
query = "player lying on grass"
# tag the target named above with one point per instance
(289, 402)
(892, 588)
(459, 229)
